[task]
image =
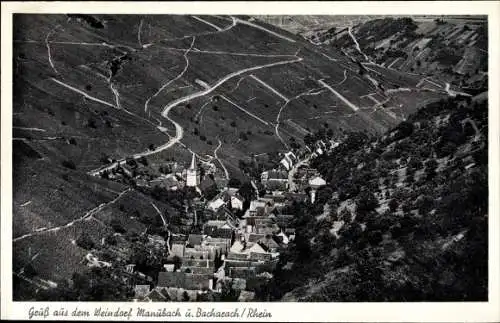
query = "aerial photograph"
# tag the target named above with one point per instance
(237, 158)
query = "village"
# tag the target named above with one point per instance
(234, 243)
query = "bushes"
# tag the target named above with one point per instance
(85, 241)
(68, 164)
(243, 136)
(117, 226)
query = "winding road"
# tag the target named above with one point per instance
(226, 173)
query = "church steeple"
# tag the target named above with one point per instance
(192, 176)
(193, 162)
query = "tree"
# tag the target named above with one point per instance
(234, 182)
(243, 136)
(68, 164)
(247, 191)
(366, 203)
(393, 205)
(117, 226)
(85, 241)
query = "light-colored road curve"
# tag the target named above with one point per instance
(226, 173)
(186, 66)
(251, 24)
(340, 96)
(278, 116)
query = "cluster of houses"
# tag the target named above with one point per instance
(234, 253)
(173, 175)
(230, 253)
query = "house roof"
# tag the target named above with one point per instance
(237, 247)
(216, 204)
(195, 239)
(246, 296)
(171, 279)
(215, 223)
(257, 248)
(269, 243)
(275, 174)
(253, 237)
(317, 181)
(158, 295)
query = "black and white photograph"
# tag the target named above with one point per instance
(249, 158)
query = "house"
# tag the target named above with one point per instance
(218, 229)
(169, 267)
(192, 253)
(216, 203)
(237, 201)
(222, 243)
(127, 170)
(157, 295)
(171, 279)
(242, 272)
(238, 247)
(269, 243)
(315, 183)
(171, 182)
(141, 291)
(246, 296)
(282, 238)
(289, 160)
(239, 284)
(178, 249)
(275, 180)
(195, 239)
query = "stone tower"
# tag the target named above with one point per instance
(192, 176)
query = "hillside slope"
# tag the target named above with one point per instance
(93, 91)
(404, 216)
(450, 49)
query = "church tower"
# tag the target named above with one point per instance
(192, 176)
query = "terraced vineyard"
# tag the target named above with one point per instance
(92, 91)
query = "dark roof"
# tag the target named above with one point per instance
(195, 239)
(206, 183)
(171, 279)
(268, 243)
(274, 174)
(253, 237)
(158, 295)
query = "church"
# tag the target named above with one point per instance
(192, 174)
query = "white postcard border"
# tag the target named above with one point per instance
(304, 312)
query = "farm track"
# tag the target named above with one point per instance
(226, 173)
(89, 214)
(340, 96)
(186, 66)
(278, 116)
(48, 49)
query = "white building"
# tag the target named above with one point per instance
(315, 183)
(289, 160)
(192, 176)
(237, 202)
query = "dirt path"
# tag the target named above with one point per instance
(186, 66)
(48, 49)
(208, 23)
(269, 87)
(278, 116)
(86, 216)
(226, 173)
(248, 23)
(340, 96)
